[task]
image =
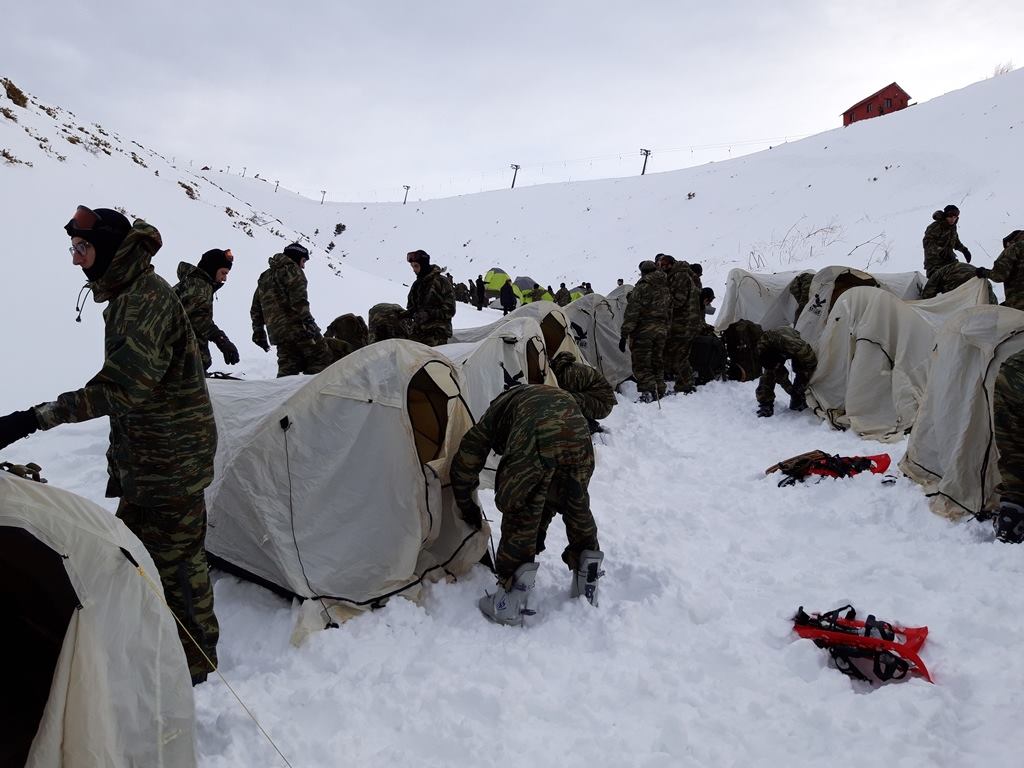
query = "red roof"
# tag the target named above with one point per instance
(869, 98)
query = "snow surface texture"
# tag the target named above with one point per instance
(690, 660)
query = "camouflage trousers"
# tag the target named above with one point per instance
(677, 356)
(543, 493)
(646, 354)
(174, 534)
(1008, 426)
(308, 356)
(432, 337)
(947, 278)
(771, 376)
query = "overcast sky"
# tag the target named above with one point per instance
(361, 98)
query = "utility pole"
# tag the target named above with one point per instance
(323, 194)
(406, 188)
(244, 169)
(515, 172)
(276, 183)
(646, 153)
(229, 169)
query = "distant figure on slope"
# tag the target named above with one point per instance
(431, 304)
(547, 459)
(645, 326)
(1008, 429)
(537, 294)
(1009, 269)
(195, 289)
(687, 321)
(481, 292)
(800, 289)
(774, 348)
(587, 385)
(280, 315)
(563, 297)
(508, 297)
(943, 271)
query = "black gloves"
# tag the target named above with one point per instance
(471, 515)
(260, 340)
(766, 409)
(981, 272)
(15, 426)
(967, 255)
(229, 350)
(622, 343)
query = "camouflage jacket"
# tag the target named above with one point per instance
(195, 291)
(800, 289)
(281, 303)
(786, 343)
(1009, 270)
(534, 428)
(152, 386)
(385, 322)
(593, 393)
(940, 240)
(687, 308)
(432, 295)
(648, 306)
(537, 294)
(563, 297)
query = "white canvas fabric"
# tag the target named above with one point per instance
(748, 296)
(121, 693)
(553, 324)
(343, 504)
(782, 310)
(595, 325)
(874, 357)
(951, 451)
(617, 298)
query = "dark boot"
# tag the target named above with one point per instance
(766, 409)
(1009, 522)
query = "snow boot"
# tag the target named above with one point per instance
(645, 397)
(1009, 522)
(584, 580)
(798, 402)
(765, 409)
(509, 606)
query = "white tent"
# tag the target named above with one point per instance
(782, 310)
(95, 669)
(951, 451)
(335, 486)
(595, 326)
(617, 298)
(553, 325)
(748, 296)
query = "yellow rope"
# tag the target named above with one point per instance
(160, 593)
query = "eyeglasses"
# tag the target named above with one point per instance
(85, 218)
(79, 248)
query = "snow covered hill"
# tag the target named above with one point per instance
(690, 660)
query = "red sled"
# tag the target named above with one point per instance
(799, 468)
(894, 650)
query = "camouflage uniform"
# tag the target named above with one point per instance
(563, 297)
(940, 240)
(800, 289)
(687, 321)
(547, 459)
(1009, 270)
(780, 345)
(647, 319)
(162, 433)
(537, 294)
(947, 278)
(593, 393)
(431, 306)
(282, 305)
(1008, 426)
(195, 290)
(385, 322)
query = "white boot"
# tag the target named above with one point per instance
(509, 606)
(584, 581)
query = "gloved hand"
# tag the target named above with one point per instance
(622, 343)
(967, 255)
(471, 515)
(981, 272)
(260, 340)
(765, 410)
(14, 426)
(229, 350)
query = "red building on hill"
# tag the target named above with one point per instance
(889, 99)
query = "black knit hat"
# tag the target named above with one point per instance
(950, 210)
(296, 252)
(214, 260)
(103, 228)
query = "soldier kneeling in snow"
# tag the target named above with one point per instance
(774, 348)
(547, 459)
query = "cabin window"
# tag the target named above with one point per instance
(888, 103)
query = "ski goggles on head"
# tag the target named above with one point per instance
(85, 219)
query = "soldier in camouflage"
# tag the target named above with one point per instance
(547, 459)
(162, 433)
(645, 327)
(940, 240)
(538, 293)
(951, 277)
(687, 320)
(431, 304)
(562, 296)
(196, 288)
(385, 322)
(1008, 428)
(800, 289)
(346, 334)
(593, 393)
(1009, 269)
(280, 315)
(774, 348)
